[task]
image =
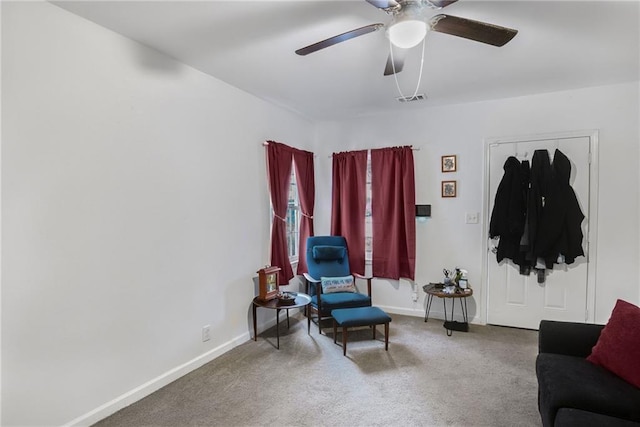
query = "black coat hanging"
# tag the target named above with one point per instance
(536, 214)
(560, 228)
(508, 215)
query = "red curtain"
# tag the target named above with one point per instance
(279, 158)
(303, 161)
(393, 213)
(349, 203)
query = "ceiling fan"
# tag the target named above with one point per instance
(409, 25)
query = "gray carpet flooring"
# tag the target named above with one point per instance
(485, 377)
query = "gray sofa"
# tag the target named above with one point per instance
(573, 391)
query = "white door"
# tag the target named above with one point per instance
(519, 300)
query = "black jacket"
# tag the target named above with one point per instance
(541, 178)
(508, 215)
(560, 225)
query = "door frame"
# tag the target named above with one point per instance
(591, 212)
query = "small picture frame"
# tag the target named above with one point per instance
(449, 189)
(449, 163)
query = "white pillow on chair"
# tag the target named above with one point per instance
(338, 284)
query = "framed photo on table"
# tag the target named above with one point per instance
(449, 163)
(449, 189)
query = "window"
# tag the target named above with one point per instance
(368, 224)
(293, 219)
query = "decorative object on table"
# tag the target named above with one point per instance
(268, 283)
(447, 277)
(449, 163)
(463, 283)
(287, 298)
(449, 189)
(457, 276)
(449, 289)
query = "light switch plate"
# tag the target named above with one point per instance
(471, 217)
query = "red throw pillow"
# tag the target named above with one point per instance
(618, 348)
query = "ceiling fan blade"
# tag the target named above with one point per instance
(473, 30)
(384, 4)
(441, 3)
(399, 55)
(339, 38)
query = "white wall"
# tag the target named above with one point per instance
(445, 240)
(134, 212)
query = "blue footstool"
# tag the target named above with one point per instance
(360, 316)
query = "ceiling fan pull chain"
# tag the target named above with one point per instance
(395, 75)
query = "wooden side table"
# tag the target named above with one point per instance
(438, 290)
(301, 300)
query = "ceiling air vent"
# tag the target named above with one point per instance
(419, 97)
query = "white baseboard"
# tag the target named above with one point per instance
(419, 312)
(415, 312)
(157, 383)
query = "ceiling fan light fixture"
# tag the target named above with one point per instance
(407, 33)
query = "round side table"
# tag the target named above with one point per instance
(301, 300)
(438, 290)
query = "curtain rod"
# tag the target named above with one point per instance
(367, 149)
(377, 148)
(266, 143)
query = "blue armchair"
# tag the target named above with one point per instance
(328, 280)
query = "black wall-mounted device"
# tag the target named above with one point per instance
(423, 210)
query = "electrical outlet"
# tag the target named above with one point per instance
(415, 296)
(206, 329)
(471, 218)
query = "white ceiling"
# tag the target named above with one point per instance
(250, 45)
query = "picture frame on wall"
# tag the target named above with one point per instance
(449, 163)
(449, 189)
